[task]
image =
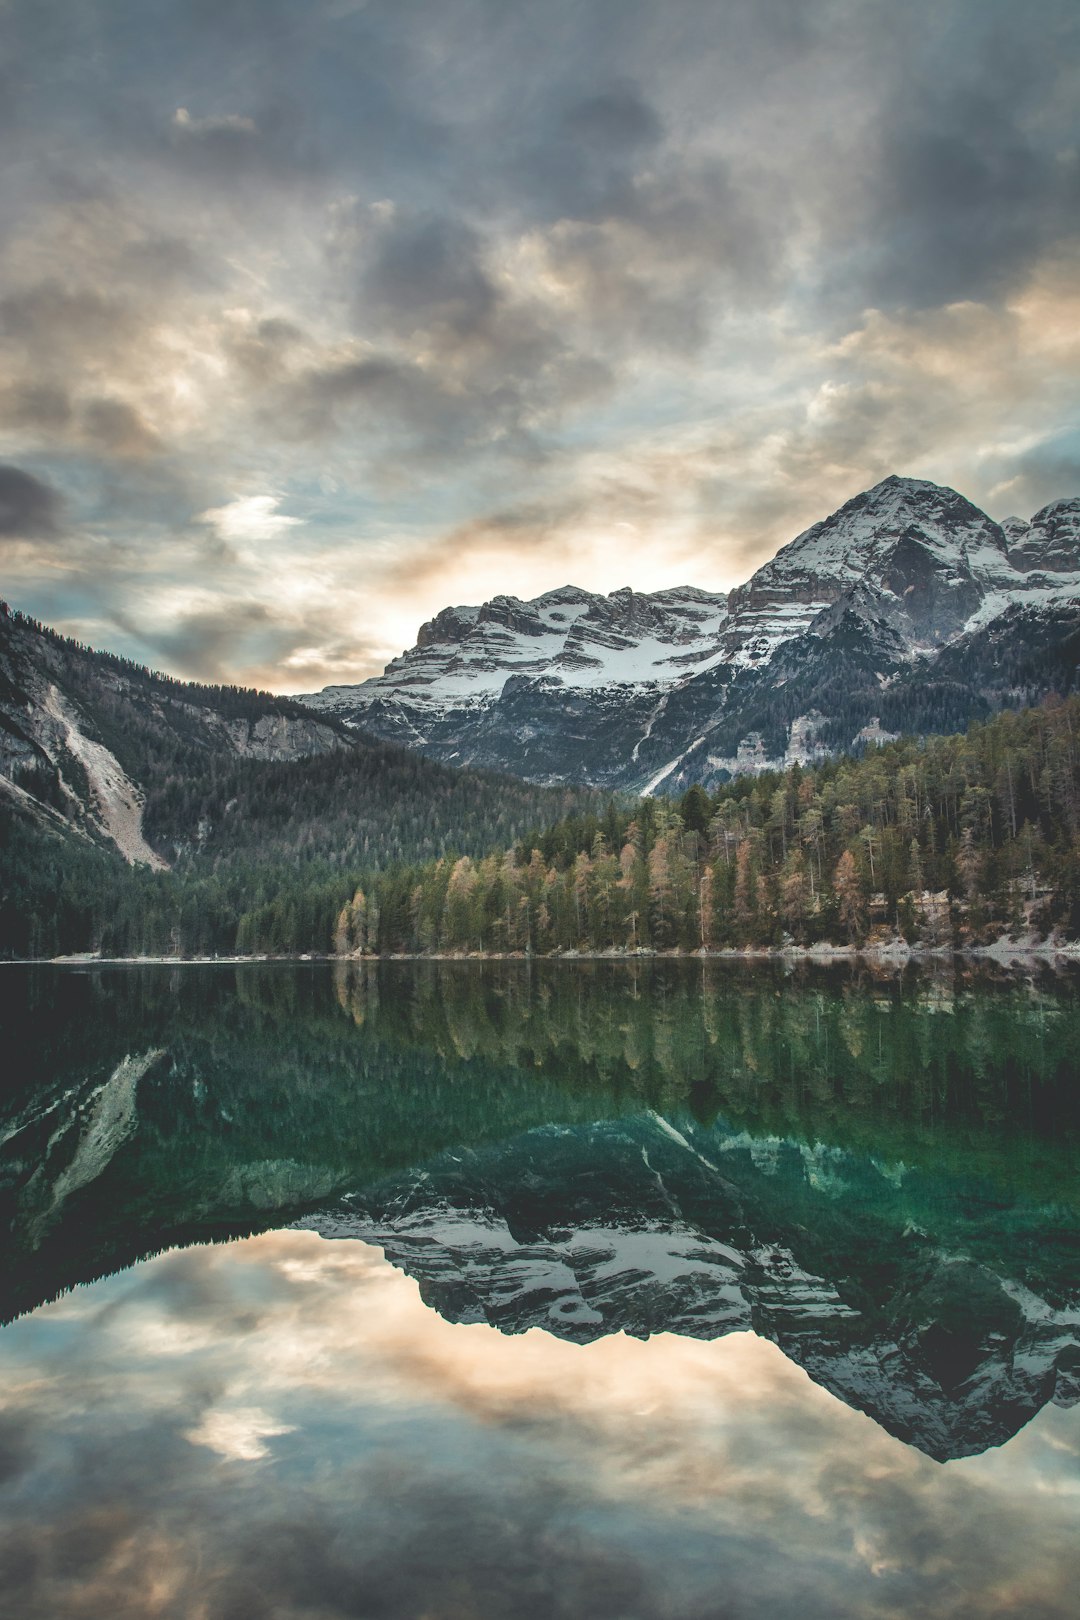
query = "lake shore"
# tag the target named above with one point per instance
(1001, 952)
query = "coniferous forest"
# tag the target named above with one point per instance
(941, 843)
(265, 814)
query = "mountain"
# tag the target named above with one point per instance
(140, 814)
(83, 734)
(906, 610)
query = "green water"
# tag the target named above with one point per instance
(816, 1198)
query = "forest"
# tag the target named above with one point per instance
(283, 839)
(940, 842)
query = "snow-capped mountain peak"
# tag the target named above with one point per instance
(921, 546)
(1051, 541)
(573, 635)
(635, 689)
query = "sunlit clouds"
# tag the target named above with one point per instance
(343, 313)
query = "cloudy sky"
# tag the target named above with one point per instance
(318, 315)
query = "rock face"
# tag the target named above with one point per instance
(844, 629)
(82, 735)
(641, 1226)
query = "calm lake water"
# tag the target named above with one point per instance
(455, 1290)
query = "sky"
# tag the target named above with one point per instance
(281, 1425)
(317, 316)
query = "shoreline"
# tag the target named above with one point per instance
(1001, 952)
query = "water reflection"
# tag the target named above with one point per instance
(877, 1173)
(279, 1427)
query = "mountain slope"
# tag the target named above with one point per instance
(87, 735)
(908, 608)
(266, 815)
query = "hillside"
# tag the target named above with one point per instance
(139, 813)
(952, 841)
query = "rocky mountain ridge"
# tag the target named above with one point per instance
(840, 639)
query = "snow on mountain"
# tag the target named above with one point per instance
(647, 690)
(583, 639)
(1050, 543)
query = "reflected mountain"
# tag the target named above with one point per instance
(878, 1173)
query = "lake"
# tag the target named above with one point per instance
(665, 1289)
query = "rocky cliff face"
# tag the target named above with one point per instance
(840, 636)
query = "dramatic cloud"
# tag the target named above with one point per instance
(28, 507)
(496, 297)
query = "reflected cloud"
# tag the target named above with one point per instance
(361, 1454)
(239, 1435)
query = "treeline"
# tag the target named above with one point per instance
(235, 702)
(369, 805)
(945, 1068)
(945, 842)
(264, 853)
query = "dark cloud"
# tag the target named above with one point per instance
(205, 643)
(427, 274)
(29, 507)
(579, 158)
(160, 262)
(381, 391)
(489, 370)
(37, 406)
(658, 277)
(264, 350)
(220, 643)
(966, 204)
(618, 118)
(1042, 474)
(56, 321)
(969, 172)
(271, 146)
(117, 428)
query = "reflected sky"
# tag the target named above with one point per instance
(280, 1427)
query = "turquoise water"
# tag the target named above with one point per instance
(499, 1289)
